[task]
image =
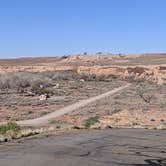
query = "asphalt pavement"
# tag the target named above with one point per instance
(113, 147)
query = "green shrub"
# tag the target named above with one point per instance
(76, 127)
(91, 121)
(11, 126)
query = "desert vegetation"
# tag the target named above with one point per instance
(40, 82)
(27, 95)
(10, 126)
(12, 130)
(91, 121)
(36, 83)
(29, 92)
(142, 104)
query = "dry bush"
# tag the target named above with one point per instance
(143, 91)
(38, 83)
(94, 77)
(41, 86)
(4, 82)
(15, 81)
(57, 75)
(64, 75)
(22, 80)
(89, 77)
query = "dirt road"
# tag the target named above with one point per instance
(45, 119)
(114, 147)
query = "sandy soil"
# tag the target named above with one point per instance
(125, 109)
(45, 119)
(14, 106)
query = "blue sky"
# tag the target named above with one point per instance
(60, 27)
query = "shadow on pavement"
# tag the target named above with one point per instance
(153, 162)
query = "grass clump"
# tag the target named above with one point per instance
(10, 126)
(91, 121)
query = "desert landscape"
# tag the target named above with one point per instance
(82, 83)
(34, 87)
(74, 103)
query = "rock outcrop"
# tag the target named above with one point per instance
(43, 68)
(151, 67)
(152, 73)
